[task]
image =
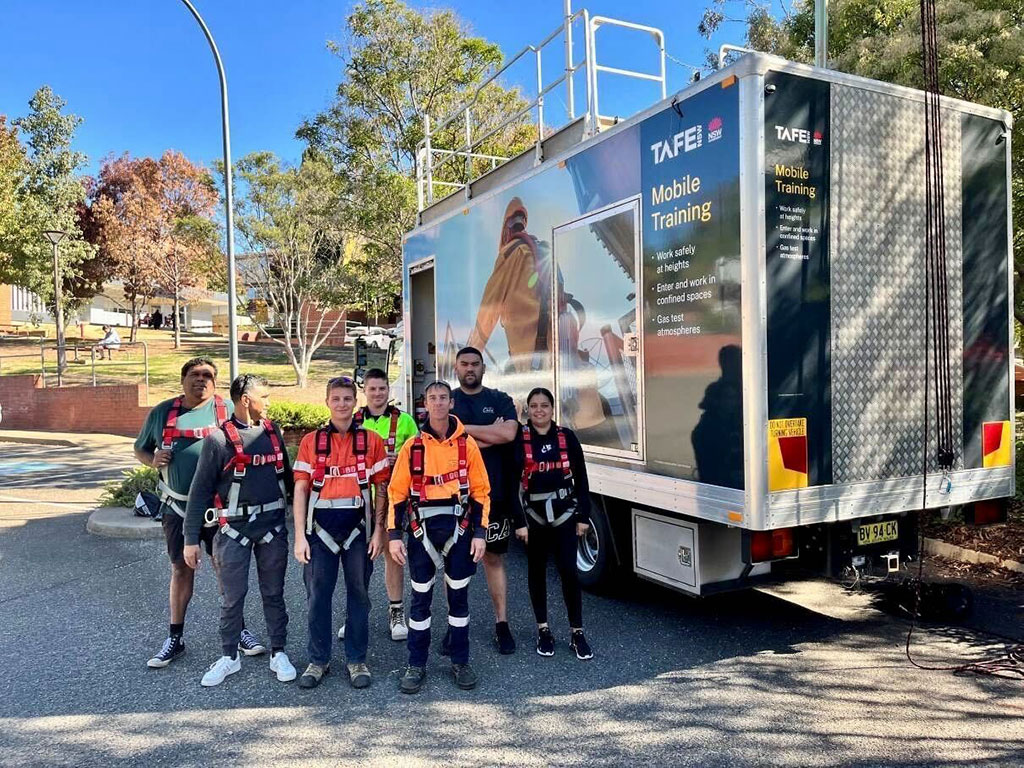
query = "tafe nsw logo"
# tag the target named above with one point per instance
(714, 129)
(799, 135)
(685, 141)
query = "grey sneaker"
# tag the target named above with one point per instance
(313, 675)
(359, 675)
(412, 680)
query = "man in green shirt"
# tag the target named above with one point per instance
(395, 427)
(171, 441)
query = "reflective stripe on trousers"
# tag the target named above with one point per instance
(458, 571)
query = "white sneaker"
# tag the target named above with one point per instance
(341, 632)
(220, 669)
(281, 665)
(396, 619)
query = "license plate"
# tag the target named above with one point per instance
(875, 533)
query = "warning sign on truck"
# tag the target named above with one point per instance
(787, 454)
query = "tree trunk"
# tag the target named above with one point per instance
(134, 301)
(176, 319)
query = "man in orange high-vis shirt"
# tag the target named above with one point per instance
(338, 522)
(439, 492)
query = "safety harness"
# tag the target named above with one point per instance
(389, 444)
(168, 495)
(419, 514)
(320, 473)
(239, 462)
(531, 467)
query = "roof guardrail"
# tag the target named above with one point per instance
(430, 159)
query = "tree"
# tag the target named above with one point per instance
(980, 52)
(125, 221)
(186, 232)
(399, 66)
(12, 168)
(289, 219)
(49, 194)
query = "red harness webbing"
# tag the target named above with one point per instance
(420, 480)
(323, 451)
(394, 415)
(531, 467)
(172, 433)
(241, 459)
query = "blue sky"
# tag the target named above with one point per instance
(142, 77)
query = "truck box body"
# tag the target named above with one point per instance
(726, 293)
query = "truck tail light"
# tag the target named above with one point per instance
(771, 545)
(988, 512)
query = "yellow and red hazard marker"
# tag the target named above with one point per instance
(996, 448)
(787, 454)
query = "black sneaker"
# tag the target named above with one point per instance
(545, 642)
(412, 680)
(503, 638)
(173, 647)
(464, 676)
(580, 645)
(446, 643)
(249, 644)
(313, 675)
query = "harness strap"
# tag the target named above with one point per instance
(417, 455)
(393, 414)
(172, 433)
(531, 467)
(320, 473)
(241, 460)
(244, 540)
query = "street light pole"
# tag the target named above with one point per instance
(228, 202)
(55, 236)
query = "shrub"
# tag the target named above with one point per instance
(298, 415)
(122, 493)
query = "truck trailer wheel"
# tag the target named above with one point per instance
(595, 558)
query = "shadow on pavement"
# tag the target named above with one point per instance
(739, 679)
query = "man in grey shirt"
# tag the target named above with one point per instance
(242, 484)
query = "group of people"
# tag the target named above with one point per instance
(438, 497)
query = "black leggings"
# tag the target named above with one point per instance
(562, 542)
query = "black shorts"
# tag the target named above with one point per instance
(499, 530)
(174, 532)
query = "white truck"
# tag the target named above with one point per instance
(726, 292)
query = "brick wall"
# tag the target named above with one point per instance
(5, 304)
(116, 410)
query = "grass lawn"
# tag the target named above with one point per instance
(266, 359)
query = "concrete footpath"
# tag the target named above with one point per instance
(38, 461)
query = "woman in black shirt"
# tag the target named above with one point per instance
(555, 498)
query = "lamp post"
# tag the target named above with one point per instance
(55, 236)
(228, 203)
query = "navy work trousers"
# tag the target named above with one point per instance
(458, 569)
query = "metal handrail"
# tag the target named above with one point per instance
(45, 344)
(659, 38)
(726, 49)
(426, 152)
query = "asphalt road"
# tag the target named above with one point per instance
(807, 676)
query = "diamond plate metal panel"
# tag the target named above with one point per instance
(878, 284)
